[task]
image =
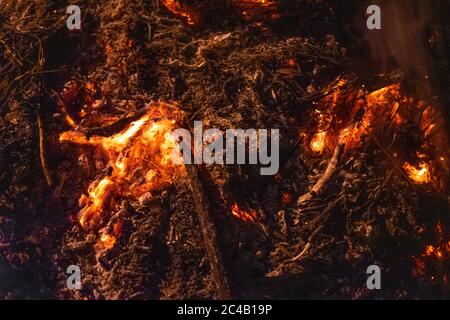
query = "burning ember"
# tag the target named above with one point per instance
(191, 13)
(409, 132)
(435, 259)
(341, 161)
(257, 8)
(133, 163)
(318, 142)
(245, 215)
(420, 175)
(188, 13)
(352, 116)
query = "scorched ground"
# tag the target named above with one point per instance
(85, 121)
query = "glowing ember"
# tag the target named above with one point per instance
(76, 94)
(318, 142)
(252, 8)
(262, 3)
(286, 197)
(257, 2)
(429, 249)
(433, 264)
(138, 161)
(420, 174)
(245, 215)
(187, 13)
(70, 121)
(108, 241)
(356, 115)
(98, 194)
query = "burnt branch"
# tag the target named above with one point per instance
(203, 208)
(320, 184)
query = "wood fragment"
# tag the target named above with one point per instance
(76, 246)
(308, 244)
(203, 208)
(383, 149)
(42, 157)
(331, 168)
(322, 219)
(117, 126)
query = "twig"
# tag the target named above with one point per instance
(308, 244)
(42, 157)
(331, 168)
(387, 155)
(325, 215)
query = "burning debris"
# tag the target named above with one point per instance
(262, 9)
(365, 152)
(134, 162)
(434, 263)
(194, 12)
(245, 215)
(410, 132)
(189, 13)
(420, 175)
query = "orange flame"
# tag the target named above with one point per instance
(139, 161)
(98, 193)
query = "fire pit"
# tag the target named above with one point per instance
(320, 154)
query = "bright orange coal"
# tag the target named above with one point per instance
(245, 215)
(254, 8)
(188, 13)
(419, 174)
(108, 240)
(135, 162)
(353, 116)
(318, 142)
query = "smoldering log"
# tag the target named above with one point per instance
(209, 233)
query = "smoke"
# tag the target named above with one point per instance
(402, 41)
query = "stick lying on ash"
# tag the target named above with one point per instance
(209, 233)
(48, 177)
(324, 216)
(331, 168)
(308, 244)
